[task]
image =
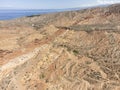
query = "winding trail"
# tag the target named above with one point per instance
(30, 47)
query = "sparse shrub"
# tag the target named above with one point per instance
(75, 52)
(42, 76)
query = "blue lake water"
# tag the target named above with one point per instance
(11, 14)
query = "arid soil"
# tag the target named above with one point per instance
(74, 50)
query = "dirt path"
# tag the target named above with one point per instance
(30, 47)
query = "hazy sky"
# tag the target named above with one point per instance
(52, 4)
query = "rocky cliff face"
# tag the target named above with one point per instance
(75, 50)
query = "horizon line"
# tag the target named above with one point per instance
(87, 6)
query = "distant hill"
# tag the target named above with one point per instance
(7, 13)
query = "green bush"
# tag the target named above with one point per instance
(75, 52)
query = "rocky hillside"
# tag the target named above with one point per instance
(75, 50)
